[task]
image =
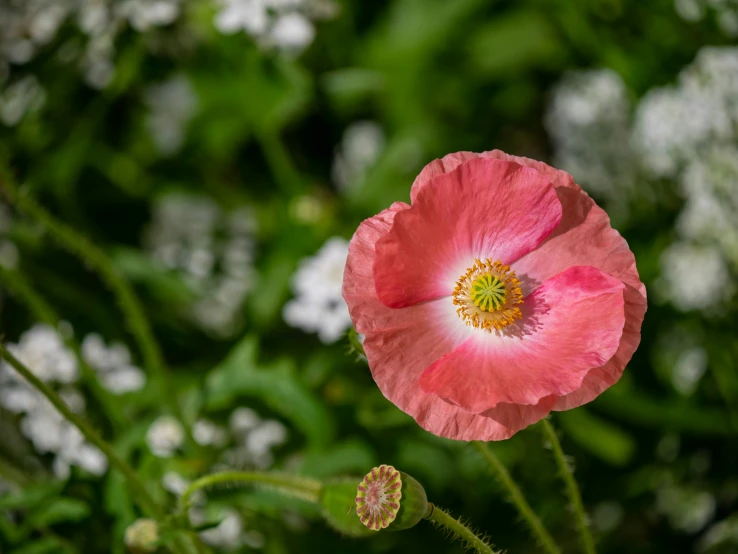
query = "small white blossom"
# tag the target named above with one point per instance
(144, 14)
(243, 420)
(207, 433)
(113, 365)
(171, 104)
(228, 534)
(689, 368)
(607, 516)
(165, 436)
(267, 435)
(678, 263)
(20, 98)
(318, 305)
(360, 148)
(173, 482)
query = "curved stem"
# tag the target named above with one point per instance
(297, 487)
(146, 501)
(515, 495)
(572, 490)
(442, 519)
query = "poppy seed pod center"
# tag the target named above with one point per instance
(488, 294)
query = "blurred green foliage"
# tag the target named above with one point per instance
(438, 76)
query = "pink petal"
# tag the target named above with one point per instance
(401, 344)
(584, 237)
(571, 324)
(482, 209)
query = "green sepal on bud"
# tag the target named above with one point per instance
(142, 536)
(390, 499)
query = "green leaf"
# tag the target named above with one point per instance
(59, 510)
(262, 93)
(30, 496)
(163, 284)
(515, 43)
(351, 456)
(628, 404)
(603, 439)
(42, 546)
(276, 383)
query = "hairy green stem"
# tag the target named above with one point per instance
(515, 495)
(137, 486)
(572, 490)
(297, 487)
(98, 261)
(458, 529)
(25, 293)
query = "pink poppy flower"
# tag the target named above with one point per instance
(500, 294)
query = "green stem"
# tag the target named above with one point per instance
(442, 519)
(19, 287)
(572, 490)
(297, 487)
(280, 164)
(98, 261)
(146, 501)
(515, 495)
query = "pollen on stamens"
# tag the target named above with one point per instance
(488, 295)
(378, 497)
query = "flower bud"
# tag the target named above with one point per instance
(390, 499)
(142, 536)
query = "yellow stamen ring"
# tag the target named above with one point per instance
(488, 295)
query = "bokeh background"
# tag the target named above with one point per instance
(221, 153)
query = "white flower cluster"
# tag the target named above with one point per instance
(726, 12)
(687, 133)
(8, 251)
(171, 104)
(212, 250)
(26, 26)
(690, 133)
(360, 147)
(113, 365)
(285, 25)
(254, 439)
(42, 350)
(589, 121)
(318, 305)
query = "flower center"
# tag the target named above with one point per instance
(488, 295)
(378, 497)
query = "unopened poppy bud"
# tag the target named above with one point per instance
(142, 536)
(390, 499)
